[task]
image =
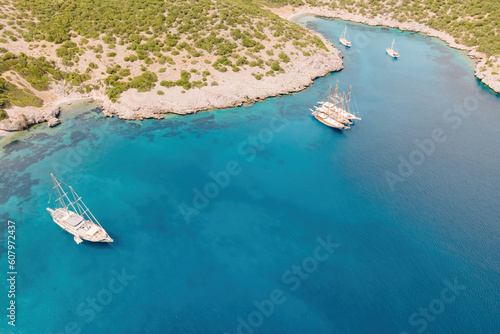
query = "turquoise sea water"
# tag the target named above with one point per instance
(414, 244)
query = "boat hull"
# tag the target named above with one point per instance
(345, 42)
(86, 230)
(341, 113)
(392, 53)
(329, 122)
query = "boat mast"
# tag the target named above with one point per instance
(62, 194)
(335, 96)
(83, 210)
(343, 99)
(76, 201)
(328, 107)
(348, 99)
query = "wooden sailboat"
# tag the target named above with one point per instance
(335, 112)
(343, 39)
(326, 119)
(391, 50)
(74, 217)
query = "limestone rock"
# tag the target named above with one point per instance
(53, 121)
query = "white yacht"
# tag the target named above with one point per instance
(343, 39)
(74, 217)
(391, 51)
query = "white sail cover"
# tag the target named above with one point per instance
(92, 230)
(74, 220)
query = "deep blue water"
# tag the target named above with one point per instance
(401, 238)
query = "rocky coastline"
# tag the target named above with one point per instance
(233, 89)
(487, 76)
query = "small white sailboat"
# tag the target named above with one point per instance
(391, 50)
(343, 39)
(74, 217)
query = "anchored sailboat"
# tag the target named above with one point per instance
(391, 51)
(343, 39)
(74, 217)
(335, 112)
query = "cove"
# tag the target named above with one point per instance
(398, 248)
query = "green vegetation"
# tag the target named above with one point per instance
(229, 34)
(75, 78)
(12, 95)
(140, 23)
(143, 83)
(281, 3)
(275, 66)
(37, 71)
(184, 81)
(152, 27)
(284, 57)
(257, 76)
(69, 51)
(219, 64)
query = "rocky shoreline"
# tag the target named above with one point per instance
(233, 89)
(487, 77)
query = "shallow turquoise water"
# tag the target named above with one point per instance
(291, 181)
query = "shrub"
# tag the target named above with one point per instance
(124, 72)
(68, 51)
(167, 84)
(283, 56)
(144, 82)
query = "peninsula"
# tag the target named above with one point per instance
(142, 59)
